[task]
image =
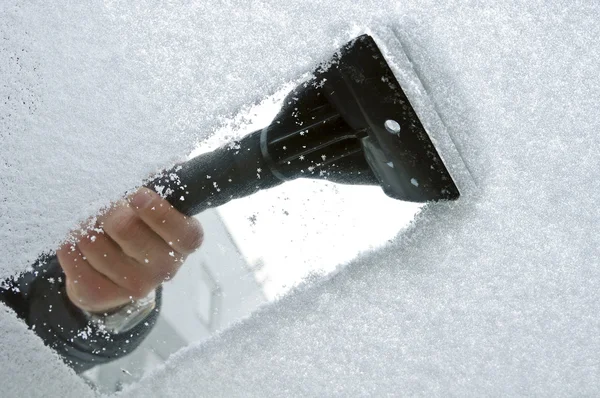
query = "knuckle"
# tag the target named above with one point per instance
(193, 237)
(90, 241)
(150, 204)
(126, 227)
(141, 289)
(85, 243)
(140, 286)
(63, 260)
(159, 210)
(164, 273)
(74, 294)
(67, 257)
(84, 294)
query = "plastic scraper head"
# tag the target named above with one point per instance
(349, 123)
(353, 123)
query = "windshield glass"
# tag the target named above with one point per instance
(255, 250)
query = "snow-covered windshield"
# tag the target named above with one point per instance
(256, 250)
(497, 291)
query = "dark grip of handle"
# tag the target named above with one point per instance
(214, 178)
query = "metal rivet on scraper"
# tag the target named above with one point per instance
(392, 126)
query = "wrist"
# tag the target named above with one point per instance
(125, 317)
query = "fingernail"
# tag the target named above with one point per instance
(141, 199)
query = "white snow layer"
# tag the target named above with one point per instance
(28, 368)
(496, 293)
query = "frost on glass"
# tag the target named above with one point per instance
(99, 98)
(497, 292)
(29, 368)
(256, 250)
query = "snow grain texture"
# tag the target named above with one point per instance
(98, 97)
(496, 293)
(31, 369)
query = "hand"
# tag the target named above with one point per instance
(139, 243)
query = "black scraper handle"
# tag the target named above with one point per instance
(214, 178)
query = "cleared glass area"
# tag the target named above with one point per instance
(258, 248)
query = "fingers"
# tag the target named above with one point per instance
(135, 238)
(183, 233)
(140, 244)
(87, 288)
(107, 258)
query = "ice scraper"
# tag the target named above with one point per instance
(350, 123)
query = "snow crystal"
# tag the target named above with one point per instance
(101, 97)
(498, 292)
(29, 368)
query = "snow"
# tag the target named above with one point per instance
(311, 228)
(497, 292)
(100, 97)
(31, 369)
